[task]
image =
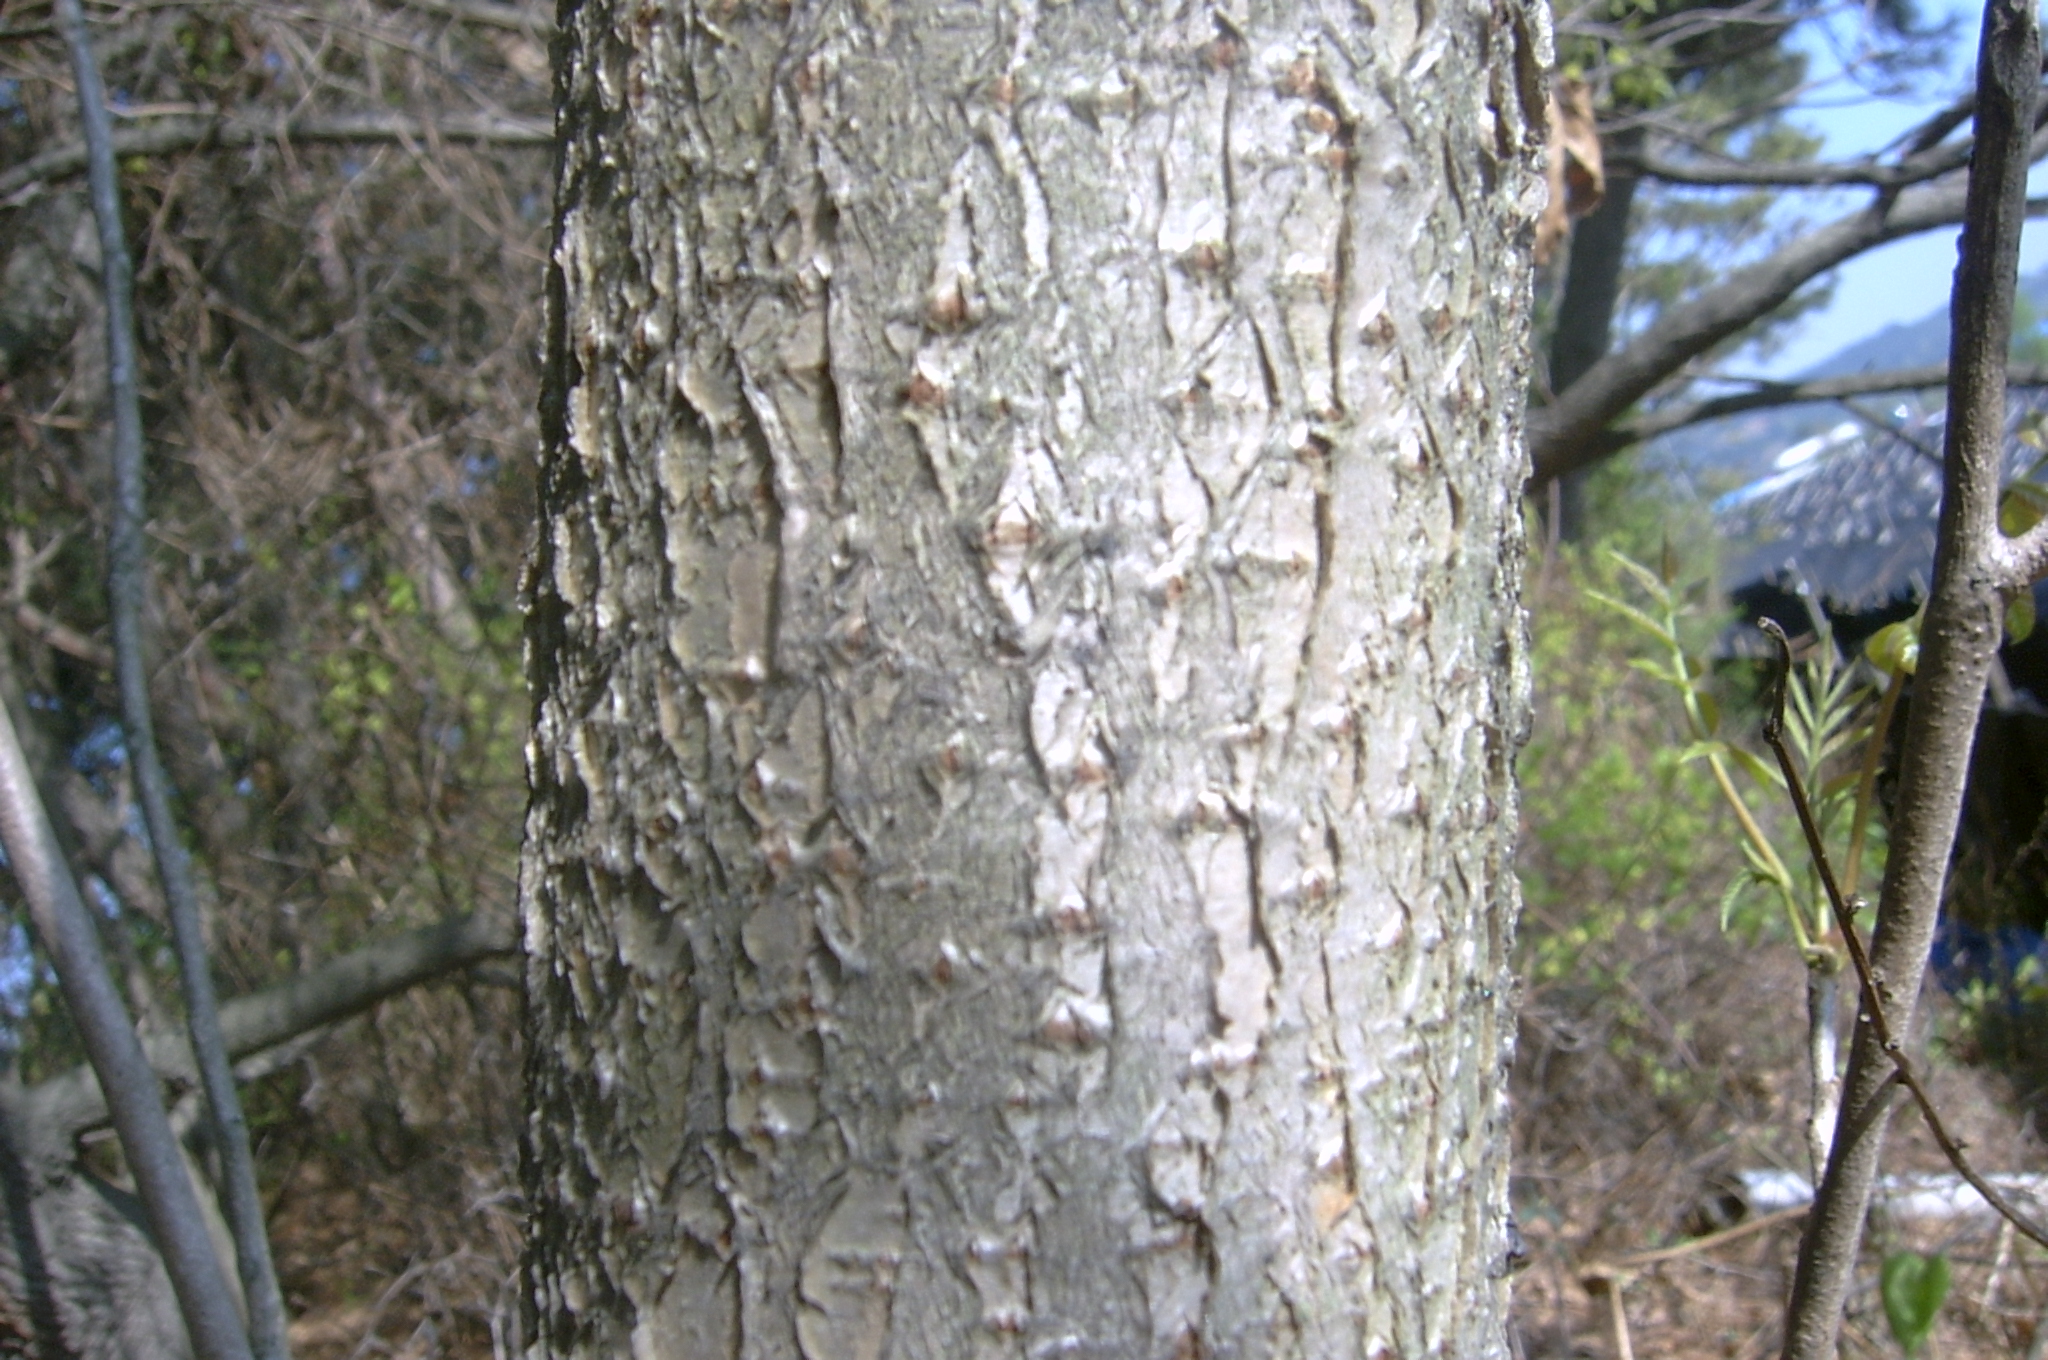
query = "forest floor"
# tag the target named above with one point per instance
(1629, 1200)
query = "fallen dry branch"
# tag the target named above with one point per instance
(1635, 1262)
(58, 1109)
(165, 136)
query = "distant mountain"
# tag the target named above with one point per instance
(1723, 454)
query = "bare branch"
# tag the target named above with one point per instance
(1565, 435)
(537, 22)
(1766, 394)
(1937, 128)
(62, 637)
(1923, 160)
(1727, 172)
(151, 1150)
(126, 585)
(170, 135)
(1944, 121)
(1957, 643)
(60, 1108)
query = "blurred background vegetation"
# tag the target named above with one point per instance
(1662, 1065)
(338, 231)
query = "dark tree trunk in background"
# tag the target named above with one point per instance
(1027, 669)
(1585, 313)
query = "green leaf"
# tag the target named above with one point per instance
(1895, 647)
(1913, 1287)
(1759, 867)
(1632, 614)
(1764, 772)
(2019, 616)
(1656, 670)
(1731, 895)
(1738, 887)
(1710, 713)
(1644, 577)
(2023, 505)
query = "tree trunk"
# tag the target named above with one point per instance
(1027, 669)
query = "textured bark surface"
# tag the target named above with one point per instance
(1027, 671)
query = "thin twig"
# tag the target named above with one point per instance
(223, 131)
(61, 637)
(1845, 920)
(126, 577)
(130, 1088)
(1636, 1261)
(1766, 394)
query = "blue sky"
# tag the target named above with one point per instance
(1907, 279)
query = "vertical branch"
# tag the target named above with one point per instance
(125, 589)
(1958, 640)
(117, 1059)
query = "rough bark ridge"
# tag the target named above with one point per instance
(1027, 672)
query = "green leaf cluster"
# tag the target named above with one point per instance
(1834, 744)
(1913, 1287)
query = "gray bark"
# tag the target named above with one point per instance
(79, 1273)
(1027, 672)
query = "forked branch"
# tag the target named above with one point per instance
(1965, 610)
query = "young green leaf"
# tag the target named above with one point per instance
(1633, 615)
(2019, 616)
(1656, 670)
(2021, 507)
(1895, 647)
(1644, 577)
(1762, 771)
(1913, 1287)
